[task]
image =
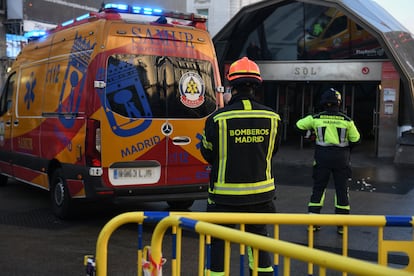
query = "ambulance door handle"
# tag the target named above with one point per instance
(16, 123)
(181, 140)
(8, 123)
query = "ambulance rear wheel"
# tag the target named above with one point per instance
(180, 205)
(59, 196)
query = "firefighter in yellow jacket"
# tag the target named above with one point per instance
(335, 135)
(239, 142)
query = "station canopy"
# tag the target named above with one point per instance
(284, 21)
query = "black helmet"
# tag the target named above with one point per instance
(331, 96)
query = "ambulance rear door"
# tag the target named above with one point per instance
(156, 107)
(133, 147)
(190, 93)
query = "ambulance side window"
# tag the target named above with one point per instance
(339, 25)
(7, 94)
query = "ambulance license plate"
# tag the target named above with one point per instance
(140, 173)
(131, 176)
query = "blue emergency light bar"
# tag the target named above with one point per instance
(35, 34)
(86, 15)
(79, 18)
(123, 8)
(66, 23)
(119, 7)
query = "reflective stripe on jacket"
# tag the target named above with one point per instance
(331, 128)
(239, 142)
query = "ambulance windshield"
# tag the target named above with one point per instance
(140, 86)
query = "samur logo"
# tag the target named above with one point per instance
(192, 90)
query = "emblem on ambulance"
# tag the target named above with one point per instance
(337, 42)
(192, 90)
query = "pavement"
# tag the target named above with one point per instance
(370, 173)
(378, 187)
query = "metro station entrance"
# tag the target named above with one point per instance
(293, 100)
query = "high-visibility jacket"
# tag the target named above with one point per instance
(331, 128)
(239, 142)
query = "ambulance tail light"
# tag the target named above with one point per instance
(93, 143)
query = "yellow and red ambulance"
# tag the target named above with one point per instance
(112, 104)
(333, 35)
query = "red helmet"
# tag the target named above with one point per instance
(244, 71)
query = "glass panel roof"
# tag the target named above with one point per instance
(396, 38)
(374, 14)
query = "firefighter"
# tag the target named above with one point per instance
(336, 134)
(240, 141)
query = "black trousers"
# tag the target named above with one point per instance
(217, 245)
(335, 162)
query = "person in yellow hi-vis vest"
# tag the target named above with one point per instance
(240, 141)
(335, 133)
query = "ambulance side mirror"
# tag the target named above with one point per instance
(219, 95)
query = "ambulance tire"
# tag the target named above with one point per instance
(3, 180)
(180, 204)
(59, 196)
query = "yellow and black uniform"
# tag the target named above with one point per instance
(335, 134)
(239, 142)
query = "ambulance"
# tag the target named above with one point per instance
(333, 35)
(112, 104)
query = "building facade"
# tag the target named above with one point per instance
(19, 17)
(218, 12)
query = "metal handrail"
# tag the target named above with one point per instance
(263, 218)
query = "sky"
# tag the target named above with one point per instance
(400, 10)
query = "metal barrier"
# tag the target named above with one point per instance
(384, 246)
(290, 250)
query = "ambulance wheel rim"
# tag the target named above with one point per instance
(60, 197)
(59, 193)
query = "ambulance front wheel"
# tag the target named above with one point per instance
(59, 195)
